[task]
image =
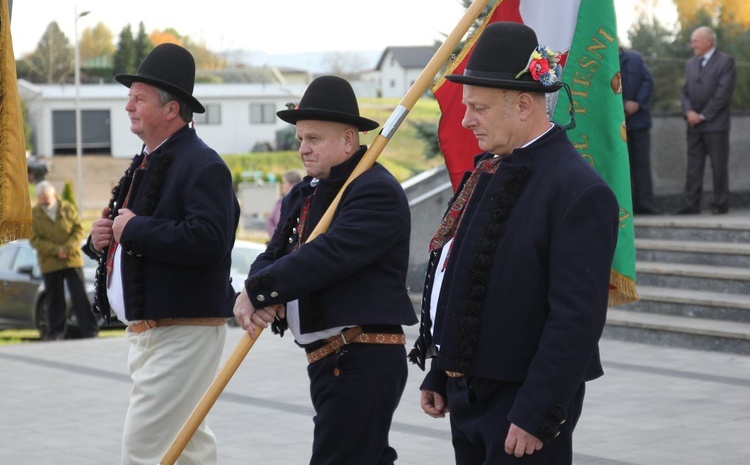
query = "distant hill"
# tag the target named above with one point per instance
(315, 62)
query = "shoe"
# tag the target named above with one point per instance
(719, 210)
(687, 211)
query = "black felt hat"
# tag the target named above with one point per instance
(501, 58)
(328, 98)
(168, 67)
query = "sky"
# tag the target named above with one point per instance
(272, 26)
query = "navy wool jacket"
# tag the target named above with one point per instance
(177, 249)
(524, 295)
(354, 273)
(637, 86)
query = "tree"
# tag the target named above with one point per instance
(125, 57)
(665, 54)
(52, 60)
(143, 44)
(718, 11)
(67, 193)
(167, 36)
(427, 131)
(96, 42)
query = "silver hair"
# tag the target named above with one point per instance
(45, 187)
(186, 113)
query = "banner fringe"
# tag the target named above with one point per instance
(622, 289)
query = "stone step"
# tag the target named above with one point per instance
(693, 252)
(691, 303)
(725, 279)
(731, 228)
(679, 331)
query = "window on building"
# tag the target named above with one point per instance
(211, 116)
(262, 113)
(393, 83)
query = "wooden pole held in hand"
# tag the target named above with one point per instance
(373, 152)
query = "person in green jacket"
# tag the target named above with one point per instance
(57, 234)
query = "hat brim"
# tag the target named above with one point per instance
(510, 84)
(292, 116)
(128, 79)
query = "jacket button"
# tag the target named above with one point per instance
(261, 298)
(274, 294)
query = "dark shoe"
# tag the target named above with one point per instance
(687, 211)
(719, 210)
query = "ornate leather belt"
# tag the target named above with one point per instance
(351, 336)
(145, 325)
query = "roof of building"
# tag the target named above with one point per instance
(119, 92)
(408, 56)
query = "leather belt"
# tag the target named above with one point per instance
(145, 325)
(353, 335)
(454, 374)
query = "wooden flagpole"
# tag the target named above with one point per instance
(246, 342)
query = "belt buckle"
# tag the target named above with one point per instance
(343, 339)
(454, 374)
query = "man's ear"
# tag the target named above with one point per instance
(173, 109)
(351, 139)
(526, 103)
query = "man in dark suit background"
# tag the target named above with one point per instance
(637, 87)
(706, 96)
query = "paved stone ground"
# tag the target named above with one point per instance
(64, 402)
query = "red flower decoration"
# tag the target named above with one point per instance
(538, 68)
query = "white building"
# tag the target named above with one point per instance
(238, 117)
(398, 68)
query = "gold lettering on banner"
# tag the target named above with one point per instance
(589, 65)
(624, 216)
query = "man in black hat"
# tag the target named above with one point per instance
(343, 294)
(164, 246)
(516, 289)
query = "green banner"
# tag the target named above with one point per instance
(592, 71)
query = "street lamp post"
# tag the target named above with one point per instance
(79, 150)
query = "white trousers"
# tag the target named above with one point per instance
(171, 367)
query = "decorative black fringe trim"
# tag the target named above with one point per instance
(101, 302)
(279, 325)
(414, 355)
(550, 427)
(159, 167)
(471, 323)
(283, 246)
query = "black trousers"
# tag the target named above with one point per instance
(479, 424)
(54, 284)
(641, 182)
(355, 393)
(715, 146)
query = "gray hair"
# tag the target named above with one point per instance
(45, 187)
(707, 32)
(292, 177)
(186, 113)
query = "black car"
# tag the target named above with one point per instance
(22, 294)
